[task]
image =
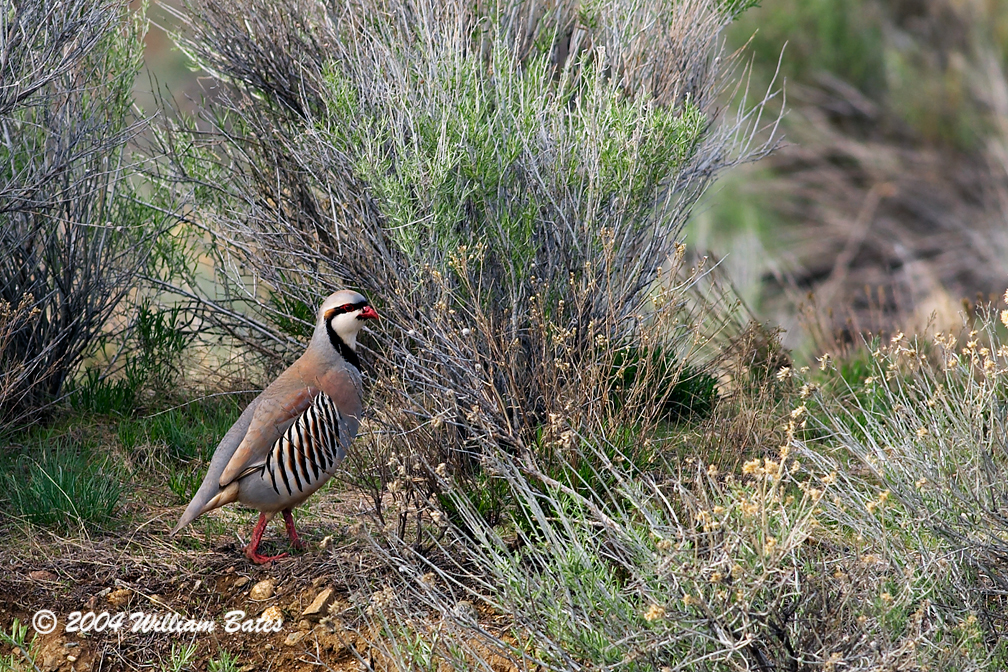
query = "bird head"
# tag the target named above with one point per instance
(343, 314)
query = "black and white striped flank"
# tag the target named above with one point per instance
(308, 450)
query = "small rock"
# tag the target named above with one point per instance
(304, 624)
(50, 661)
(71, 659)
(41, 575)
(273, 614)
(293, 638)
(262, 590)
(317, 608)
(241, 581)
(120, 598)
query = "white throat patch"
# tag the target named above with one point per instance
(347, 326)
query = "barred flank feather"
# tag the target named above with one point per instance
(308, 451)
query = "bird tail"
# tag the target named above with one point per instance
(200, 505)
(210, 495)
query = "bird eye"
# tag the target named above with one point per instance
(347, 307)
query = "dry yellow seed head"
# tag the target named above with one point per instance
(654, 612)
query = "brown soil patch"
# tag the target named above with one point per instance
(139, 569)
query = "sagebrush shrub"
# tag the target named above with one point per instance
(505, 181)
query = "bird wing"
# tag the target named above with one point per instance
(283, 402)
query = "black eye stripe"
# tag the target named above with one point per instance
(346, 308)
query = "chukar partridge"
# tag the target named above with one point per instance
(288, 441)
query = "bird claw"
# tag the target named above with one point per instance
(262, 559)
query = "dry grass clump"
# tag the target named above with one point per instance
(808, 557)
(918, 445)
(682, 568)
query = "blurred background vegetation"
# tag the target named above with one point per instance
(887, 200)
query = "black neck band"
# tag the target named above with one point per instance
(348, 354)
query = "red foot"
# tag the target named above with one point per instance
(262, 559)
(251, 551)
(291, 532)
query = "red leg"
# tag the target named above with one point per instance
(252, 550)
(291, 532)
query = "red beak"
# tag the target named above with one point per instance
(368, 313)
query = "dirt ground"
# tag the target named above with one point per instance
(140, 569)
